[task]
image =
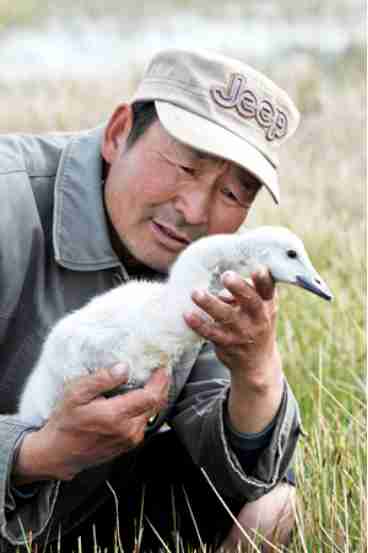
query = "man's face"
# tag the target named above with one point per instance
(161, 195)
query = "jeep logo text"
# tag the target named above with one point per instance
(269, 117)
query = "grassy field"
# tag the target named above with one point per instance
(323, 200)
(323, 346)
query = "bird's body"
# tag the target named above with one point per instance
(141, 323)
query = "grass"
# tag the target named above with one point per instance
(323, 200)
(323, 346)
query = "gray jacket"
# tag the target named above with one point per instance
(55, 254)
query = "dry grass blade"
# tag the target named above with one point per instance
(116, 502)
(331, 396)
(194, 520)
(332, 542)
(167, 549)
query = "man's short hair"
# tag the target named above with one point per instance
(144, 114)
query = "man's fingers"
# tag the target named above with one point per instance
(264, 284)
(227, 297)
(245, 293)
(219, 310)
(158, 382)
(83, 389)
(145, 401)
(226, 313)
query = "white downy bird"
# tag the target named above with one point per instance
(141, 323)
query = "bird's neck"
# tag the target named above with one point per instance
(200, 267)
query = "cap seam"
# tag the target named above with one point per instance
(174, 80)
(271, 161)
(179, 84)
(205, 91)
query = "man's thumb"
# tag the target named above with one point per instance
(86, 388)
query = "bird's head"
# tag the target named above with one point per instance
(283, 253)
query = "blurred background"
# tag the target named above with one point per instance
(66, 65)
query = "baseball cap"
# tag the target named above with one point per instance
(221, 106)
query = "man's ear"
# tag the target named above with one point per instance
(117, 132)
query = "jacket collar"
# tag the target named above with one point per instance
(80, 232)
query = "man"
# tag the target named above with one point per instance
(86, 211)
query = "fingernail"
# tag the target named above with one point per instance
(228, 276)
(119, 369)
(191, 316)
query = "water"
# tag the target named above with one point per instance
(102, 47)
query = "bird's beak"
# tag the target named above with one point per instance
(314, 285)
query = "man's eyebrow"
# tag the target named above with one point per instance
(204, 156)
(197, 155)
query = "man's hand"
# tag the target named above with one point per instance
(86, 429)
(243, 331)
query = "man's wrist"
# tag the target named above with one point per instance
(32, 462)
(248, 441)
(255, 396)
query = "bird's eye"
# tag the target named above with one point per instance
(292, 254)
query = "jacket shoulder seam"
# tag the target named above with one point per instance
(30, 175)
(12, 171)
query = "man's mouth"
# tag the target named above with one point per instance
(170, 233)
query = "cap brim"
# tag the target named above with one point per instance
(204, 135)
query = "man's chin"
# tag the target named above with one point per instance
(157, 258)
(158, 262)
(159, 265)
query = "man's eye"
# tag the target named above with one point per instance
(188, 170)
(230, 195)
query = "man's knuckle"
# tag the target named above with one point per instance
(266, 324)
(259, 331)
(111, 418)
(129, 435)
(253, 300)
(215, 334)
(162, 404)
(157, 400)
(263, 313)
(151, 397)
(73, 395)
(228, 340)
(102, 378)
(135, 435)
(135, 440)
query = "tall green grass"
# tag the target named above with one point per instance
(324, 345)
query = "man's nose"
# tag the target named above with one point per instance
(195, 199)
(194, 204)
